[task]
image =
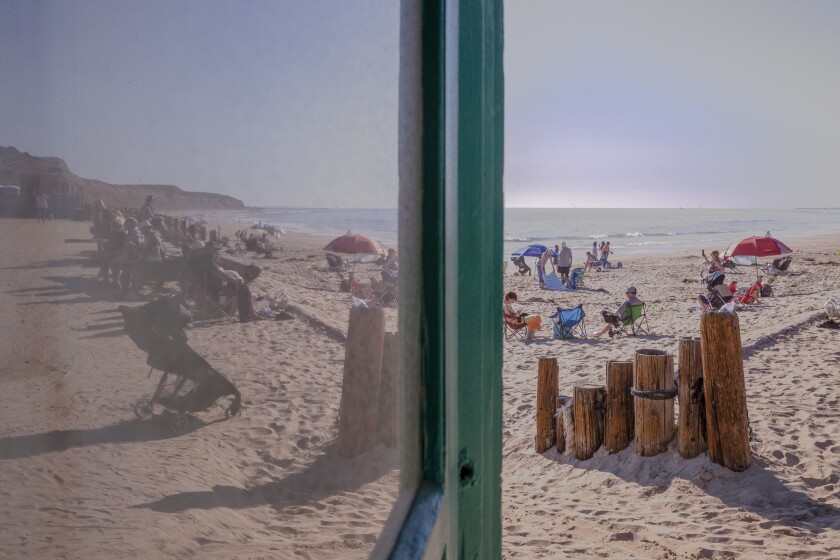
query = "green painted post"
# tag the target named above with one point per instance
(474, 352)
(457, 509)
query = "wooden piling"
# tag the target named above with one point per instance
(619, 420)
(691, 425)
(547, 390)
(388, 428)
(357, 426)
(727, 420)
(653, 378)
(589, 420)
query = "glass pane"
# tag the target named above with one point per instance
(209, 190)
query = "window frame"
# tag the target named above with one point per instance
(451, 168)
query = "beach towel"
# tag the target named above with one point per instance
(553, 282)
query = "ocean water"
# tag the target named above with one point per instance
(628, 230)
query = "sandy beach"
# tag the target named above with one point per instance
(82, 478)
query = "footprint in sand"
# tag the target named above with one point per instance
(791, 459)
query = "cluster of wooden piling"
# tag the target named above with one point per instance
(368, 409)
(636, 401)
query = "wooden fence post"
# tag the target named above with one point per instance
(589, 420)
(691, 423)
(547, 389)
(654, 392)
(357, 422)
(727, 420)
(618, 422)
(388, 392)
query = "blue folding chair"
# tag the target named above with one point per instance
(576, 279)
(569, 323)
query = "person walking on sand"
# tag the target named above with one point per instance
(532, 322)
(42, 206)
(614, 319)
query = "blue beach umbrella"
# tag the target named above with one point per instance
(530, 251)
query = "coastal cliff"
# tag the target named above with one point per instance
(52, 175)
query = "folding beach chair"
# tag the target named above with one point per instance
(635, 324)
(576, 278)
(569, 323)
(553, 282)
(514, 330)
(750, 296)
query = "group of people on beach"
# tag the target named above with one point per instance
(517, 319)
(133, 251)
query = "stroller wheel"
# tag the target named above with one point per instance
(179, 423)
(143, 409)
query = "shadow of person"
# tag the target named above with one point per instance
(757, 489)
(88, 289)
(129, 431)
(328, 475)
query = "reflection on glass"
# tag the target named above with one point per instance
(185, 370)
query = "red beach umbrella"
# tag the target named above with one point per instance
(758, 247)
(352, 244)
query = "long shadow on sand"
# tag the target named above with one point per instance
(330, 474)
(89, 289)
(757, 489)
(130, 431)
(84, 262)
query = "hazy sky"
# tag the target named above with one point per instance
(289, 102)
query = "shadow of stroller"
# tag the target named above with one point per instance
(329, 474)
(129, 431)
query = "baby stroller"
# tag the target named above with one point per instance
(718, 294)
(520, 263)
(189, 383)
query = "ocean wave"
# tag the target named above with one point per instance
(519, 239)
(599, 236)
(634, 234)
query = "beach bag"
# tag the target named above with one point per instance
(766, 291)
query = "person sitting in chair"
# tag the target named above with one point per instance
(532, 322)
(621, 314)
(245, 298)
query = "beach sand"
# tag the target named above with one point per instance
(82, 478)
